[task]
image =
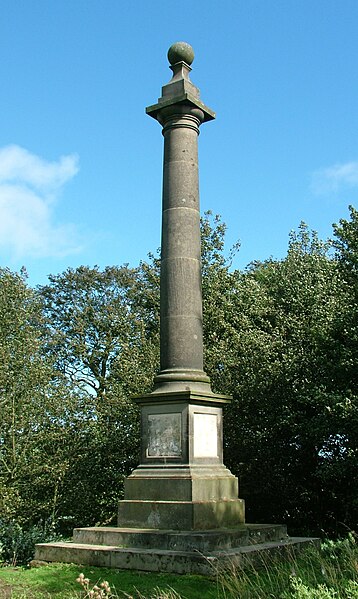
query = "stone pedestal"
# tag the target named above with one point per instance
(181, 482)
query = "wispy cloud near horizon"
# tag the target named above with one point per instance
(29, 188)
(335, 178)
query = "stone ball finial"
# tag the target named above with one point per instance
(180, 52)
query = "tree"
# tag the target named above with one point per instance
(94, 326)
(271, 343)
(346, 318)
(346, 245)
(34, 401)
(342, 448)
(104, 338)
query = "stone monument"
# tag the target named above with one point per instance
(181, 482)
(181, 511)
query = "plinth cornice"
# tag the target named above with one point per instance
(189, 396)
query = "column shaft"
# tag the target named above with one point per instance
(181, 328)
(181, 306)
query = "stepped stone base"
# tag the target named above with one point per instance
(200, 552)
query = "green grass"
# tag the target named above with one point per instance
(59, 581)
(331, 573)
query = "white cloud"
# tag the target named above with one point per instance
(29, 187)
(335, 178)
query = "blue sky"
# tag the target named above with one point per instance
(81, 163)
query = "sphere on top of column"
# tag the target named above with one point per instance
(180, 52)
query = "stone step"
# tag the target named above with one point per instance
(163, 560)
(207, 540)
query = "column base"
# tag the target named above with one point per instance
(175, 380)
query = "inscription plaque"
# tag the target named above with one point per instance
(205, 436)
(164, 435)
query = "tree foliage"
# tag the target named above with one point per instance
(280, 337)
(273, 343)
(104, 340)
(35, 402)
(96, 330)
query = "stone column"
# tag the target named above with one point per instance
(180, 112)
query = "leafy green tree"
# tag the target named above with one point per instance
(342, 448)
(94, 325)
(271, 342)
(104, 338)
(346, 321)
(34, 402)
(346, 245)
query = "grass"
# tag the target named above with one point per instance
(331, 573)
(59, 581)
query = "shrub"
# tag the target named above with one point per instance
(17, 544)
